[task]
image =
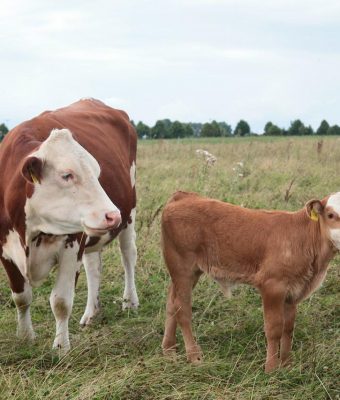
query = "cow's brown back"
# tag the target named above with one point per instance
(104, 132)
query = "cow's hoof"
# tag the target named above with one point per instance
(61, 348)
(130, 304)
(89, 317)
(86, 320)
(28, 336)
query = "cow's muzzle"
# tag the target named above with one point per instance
(111, 220)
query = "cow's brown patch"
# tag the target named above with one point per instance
(93, 240)
(81, 246)
(69, 242)
(16, 280)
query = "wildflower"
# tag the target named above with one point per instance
(240, 170)
(209, 158)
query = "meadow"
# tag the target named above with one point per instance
(120, 356)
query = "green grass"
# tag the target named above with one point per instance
(120, 356)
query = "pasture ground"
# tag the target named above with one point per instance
(120, 356)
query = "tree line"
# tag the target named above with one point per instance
(167, 129)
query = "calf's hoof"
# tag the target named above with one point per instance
(195, 356)
(271, 366)
(287, 362)
(169, 352)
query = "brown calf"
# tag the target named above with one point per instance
(283, 254)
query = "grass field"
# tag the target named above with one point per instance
(120, 356)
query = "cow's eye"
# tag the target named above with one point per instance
(67, 177)
(330, 215)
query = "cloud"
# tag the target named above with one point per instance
(116, 102)
(192, 60)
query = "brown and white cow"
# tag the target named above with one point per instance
(283, 254)
(63, 173)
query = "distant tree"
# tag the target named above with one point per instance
(189, 132)
(225, 129)
(196, 127)
(268, 125)
(159, 131)
(207, 130)
(334, 130)
(167, 128)
(272, 130)
(308, 130)
(296, 128)
(143, 130)
(3, 131)
(177, 130)
(211, 129)
(167, 123)
(323, 128)
(242, 128)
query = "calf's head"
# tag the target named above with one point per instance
(327, 212)
(67, 197)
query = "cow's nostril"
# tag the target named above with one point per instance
(113, 218)
(109, 217)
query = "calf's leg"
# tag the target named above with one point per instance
(93, 267)
(62, 294)
(287, 335)
(273, 298)
(184, 275)
(127, 243)
(169, 338)
(182, 302)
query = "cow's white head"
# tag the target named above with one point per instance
(67, 197)
(327, 211)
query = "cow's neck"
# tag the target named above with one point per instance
(322, 247)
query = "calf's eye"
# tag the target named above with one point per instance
(330, 216)
(67, 177)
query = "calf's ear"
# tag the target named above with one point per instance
(32, 169)
(314, 208)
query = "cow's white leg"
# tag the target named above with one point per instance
(93, 267)
(127, 242)
(61, 298)
(23, 301)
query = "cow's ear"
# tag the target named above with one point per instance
(314, 208)
(32, 169)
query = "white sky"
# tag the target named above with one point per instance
(191, 60)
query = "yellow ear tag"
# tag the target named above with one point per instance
(314, 216)
(34, 178)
